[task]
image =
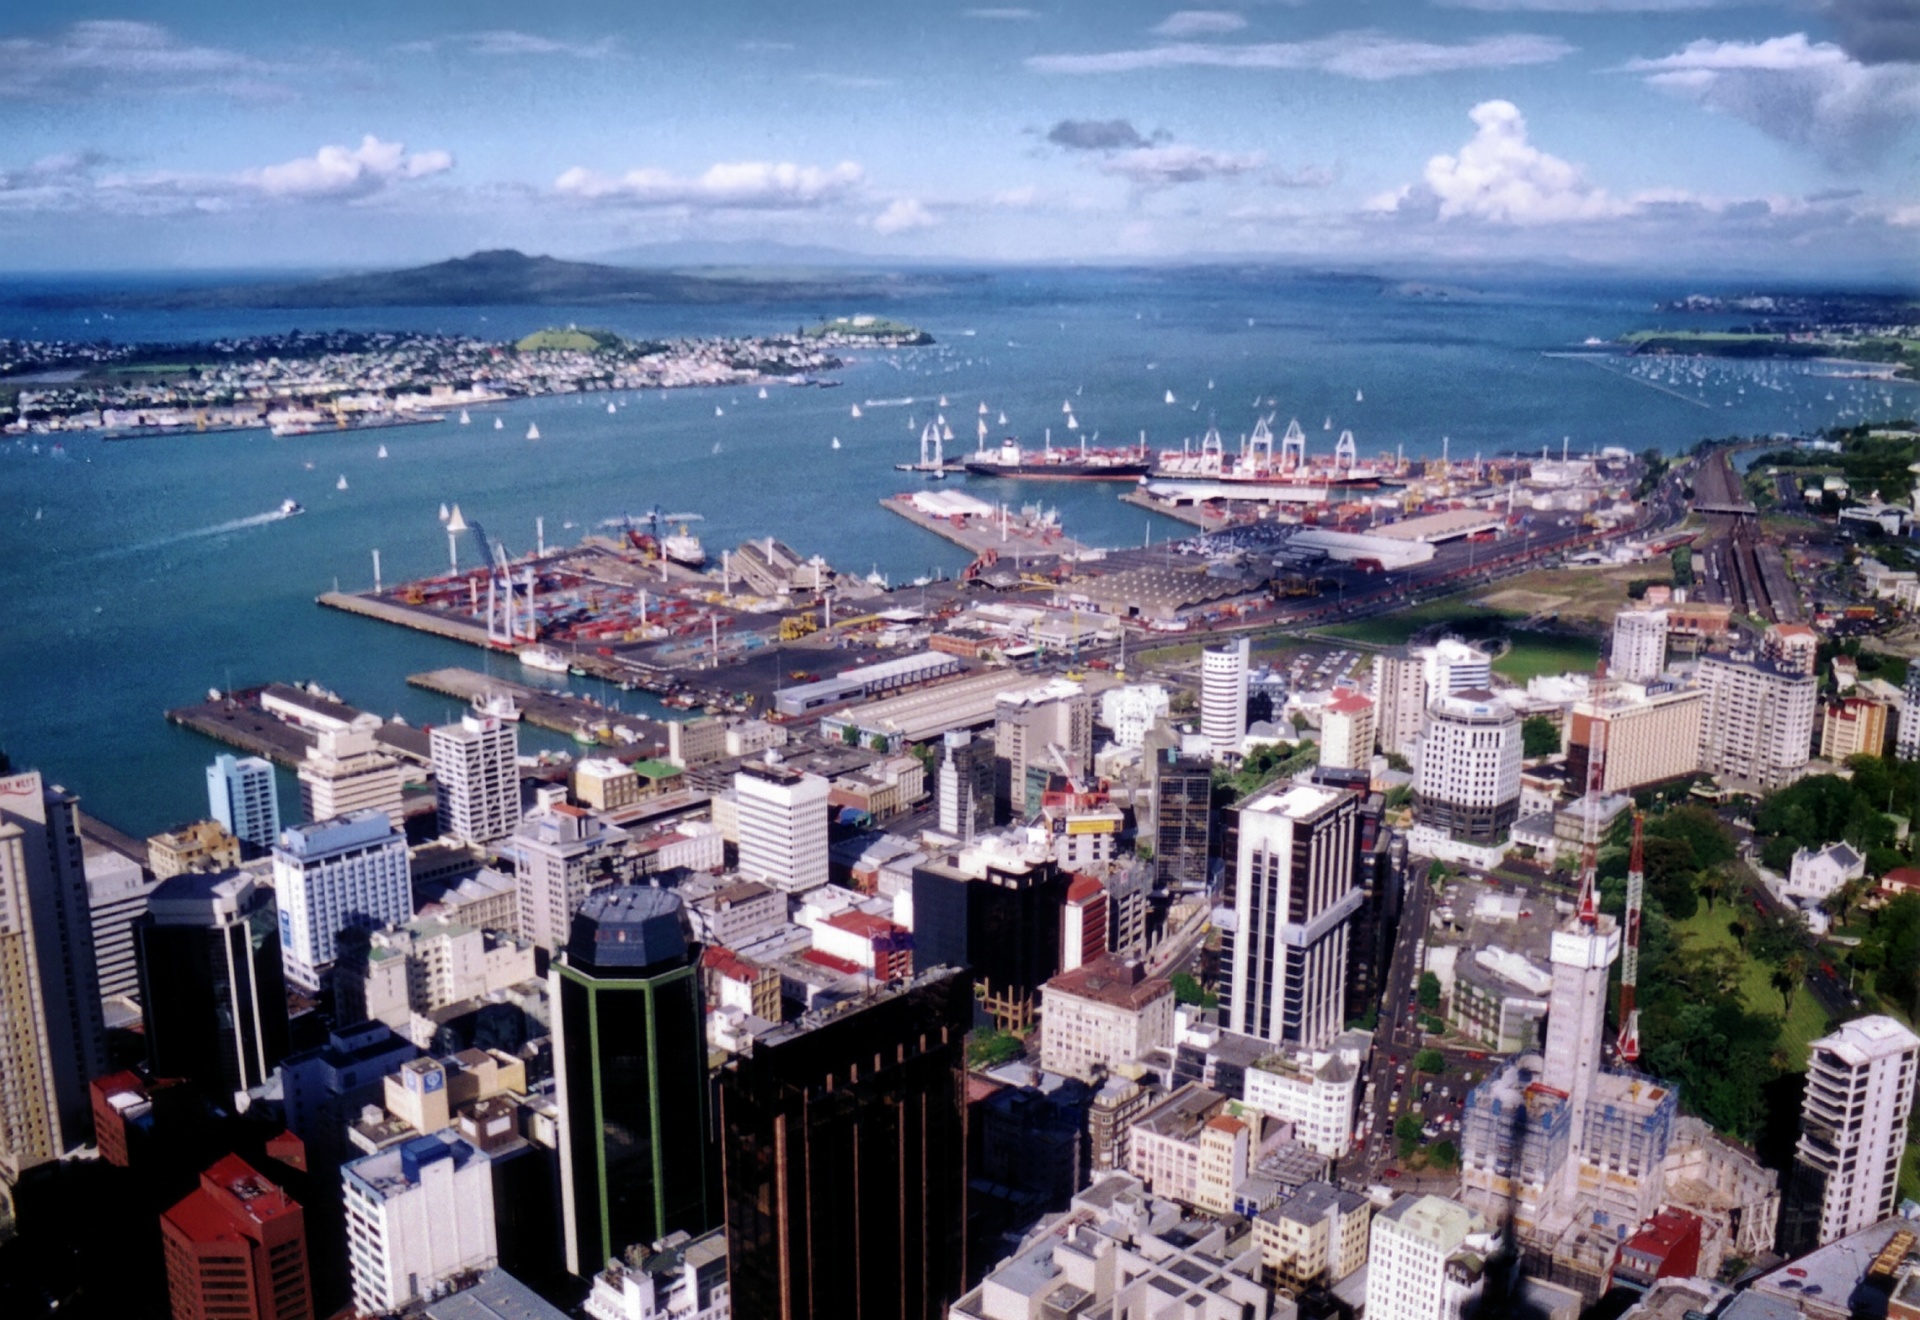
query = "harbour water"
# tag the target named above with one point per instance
(138, 574)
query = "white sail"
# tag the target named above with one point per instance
(498, 424)
(856, 410)
(1169, 396)
(382, 453)
(464, 419)
(341, 484)
(533, 431)
(836, 442)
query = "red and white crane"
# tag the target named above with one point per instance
(1629, 1041)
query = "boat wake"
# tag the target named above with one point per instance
(889, 403)
(201, 533)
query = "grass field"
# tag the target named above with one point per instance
(1394, 629)
(1533, 654)
(1808, 1020)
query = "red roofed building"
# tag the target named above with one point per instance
(1900, 880)
(1668, 1247)
(735, 982)
(1347, 732)
(873, 944)
(236, 1249)
(125, 1109)
(1097, 1017)
(1083, 925)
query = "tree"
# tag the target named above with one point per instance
(1429, 992)
(989, 1049)
(1775, 939)
(1445, 1156)
(1711, 884)
(1430, 1061)
(1186, 988)
(1844, 899)
(1787, 977)
(1407, 1132)
(1538, 737)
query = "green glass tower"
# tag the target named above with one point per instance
(630, 1057)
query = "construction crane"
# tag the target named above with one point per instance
(1629, 1041)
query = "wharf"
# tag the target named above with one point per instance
(427, 621)
(581, 718)
(1192, 514)
(238, 720)
(981, 534)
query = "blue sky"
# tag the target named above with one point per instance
(1677, 133)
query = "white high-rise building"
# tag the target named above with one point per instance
(783, 826)
(1453, 666)
(1756, 727)
(1426, 1260)
(1130, 711)
(561, 854)
(1223, 696)
(476, 772)
(1399, 700)
(1467, 787)
(1294, 898)
(1906, 743)
(1029, 726)
(335, 876)
(963, 787)
(418, 1214)
(344, 772)
(1346, 732)
(52, 1035)
(1577, 1017)
(117, 893)
(1639, 645)
(1853, 1131)
(240, 795)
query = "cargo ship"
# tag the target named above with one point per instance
(1081, 464)
(1258, 461)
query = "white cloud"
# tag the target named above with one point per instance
(1016, 198)
(1810, 95)
(1158, 167)
(1583, 6)
(740, 184)
(1907, 217)
(1368, 55)
(1199, 23)
(343, 172)
(508, 42)
(119, 57)
(1500, 176)
(903, 214)
(1007, 15)
(851, 81)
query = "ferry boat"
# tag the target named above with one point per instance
(1081, 463)
(1259, 461)
(684, 548)
(544, 658)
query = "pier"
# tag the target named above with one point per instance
(239, 720)
(979, 528)
(581, 718)
(1194, 514)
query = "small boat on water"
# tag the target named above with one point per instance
(498, 424)
(1359, 397)
(444, 514)
(464, 419)
(856, 410)
(533, 431)
(611, 408)
(718, 411)
(763, 391)
(836, 442)
(342, 483)
(288, 508)
(544, 658)
(1169, 396)
(382, 453)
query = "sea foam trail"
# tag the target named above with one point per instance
(218, 529)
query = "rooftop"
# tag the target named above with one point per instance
(497, 1296)
(1112, 981)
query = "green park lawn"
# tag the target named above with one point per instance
(1808, 1020)
(1533, 654)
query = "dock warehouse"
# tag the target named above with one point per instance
(1390, 552)
(867, 681)
(912, 717)
(1162, 595)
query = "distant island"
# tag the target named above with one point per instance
(507, 278)
(857, 330)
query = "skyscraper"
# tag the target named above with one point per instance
(240, 795)
(418, 1214)
(52, 1036)
(1031, 725)
(964, 787)
(1346, 732)
(334, 876)
(1757, 725)
(1853, 1132)
(783, 826)
(1907, 740)
(845, 1152)
(117, 892)
(344, 772)
(1639, 646)
(211, 985)
(998, 916)
(1294, 896)
(1223, 696)
(1577, 1018)
(236, 1249)
(561, 854)
(476, 774)
(1399, 699)
(1467, 787)
(630, 1057)
(1182, 817)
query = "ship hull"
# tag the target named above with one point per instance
(1061, 471)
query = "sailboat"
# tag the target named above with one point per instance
(1003, 419)
(1359, 397)
(382, 453)
(1073, 423)
(533, 431)
(464, 419)
(498, 424)
(1327, 425)
(983, 409)
(856, 410)
(444, 515)
(716, 446)
(763, 391)
(341, 484)
(610, 408)
(1169, 396)
(836, 442)
(718, 411)
(943, 400)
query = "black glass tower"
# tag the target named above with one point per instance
(630, 1057)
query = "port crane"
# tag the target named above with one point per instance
(506, 622)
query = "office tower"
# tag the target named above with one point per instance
(1794, 647)
(418, 1214)
(1756, 727)
(1083, 923)
(964, 786)
(334, 876)
(998, 916)
(1453, 666)
(236, 1249)
(1577, 1017)
(1038, 732)
(1346, 732)
(1649, 735)
(783, 827)
(1853, 1131)
(1102, 1015)
(1381, 880)
(846, 1158)
(1855, 726)
(1639, 646)
(117, 892)
(630, 1057)
(1132, 710)
(1399, 700)
(326, 1087)
(562, 854)
(52, 1037)
(1294, 895)
(1468, 783)
(344, 772)
(1223, 696)
(240, 795)
(1907, 744)
(476, 775)
(204, 845)
(1182, 817)
(211, 986)
(1427, 1260)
